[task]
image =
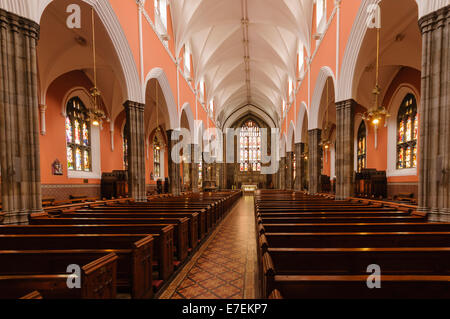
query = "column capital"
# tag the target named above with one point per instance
(346, 104)
(134, 105)
(19, 24)
(434, 20)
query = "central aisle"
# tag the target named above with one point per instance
(225, 267)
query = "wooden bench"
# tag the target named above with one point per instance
(163, 238)
(355, 287)
(348, 227)
(354, 261)
(340, 220)
(334, 214)
(181, 233)
(196, 222)
(134, 269)
(20, 275)
(355, 240)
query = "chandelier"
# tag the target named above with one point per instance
(95, 114)
(377, 113)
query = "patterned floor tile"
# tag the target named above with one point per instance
(226, 291)
(192, 291)
(221, 269)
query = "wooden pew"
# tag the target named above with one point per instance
(175, 218)
(180, 234)
(134, 252)
(207, 212)
(348, 227)
(163, 238)
(354, 261)
(334, 214)
(98, 277)
(327, 220)
(355, 240)
(355, 287)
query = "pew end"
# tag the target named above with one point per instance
(99, 278)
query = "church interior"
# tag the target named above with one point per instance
(211, 149)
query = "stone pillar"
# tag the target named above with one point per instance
(315, 160)
(345, 114)
(223, 165)
(193, 167)
(434, 115)
(299, 149)
(174, 167)
(282, 173)
(136, 150)
(19, 119)
(289, 168)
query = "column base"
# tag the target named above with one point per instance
(16, 218)
(434, 216)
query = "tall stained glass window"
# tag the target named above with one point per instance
(250, 147)
(156, 158)
(78, 136)
(362, 143)
(407, 133)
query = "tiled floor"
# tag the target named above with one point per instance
(225, 266)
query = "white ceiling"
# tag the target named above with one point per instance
(214, 31)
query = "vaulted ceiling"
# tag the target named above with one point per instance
(244, 50)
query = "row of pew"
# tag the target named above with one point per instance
(318, 247)
(123, 249)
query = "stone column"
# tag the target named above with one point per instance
(315, 160)
(282, 173)
(221, 165)
(174, 166)
(276, 177)
(345, 114)
(289, 168)
(193, 167)
(299, 149)
(136, 150)
(19, 119)
(434, 115)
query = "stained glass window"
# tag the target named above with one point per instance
(156, 158)
(362, 143)
(78, 136)
(69, 132)
(250, 147)
(407, 133)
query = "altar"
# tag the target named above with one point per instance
(249, 188)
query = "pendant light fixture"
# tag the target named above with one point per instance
(96, 115)
(377, 113)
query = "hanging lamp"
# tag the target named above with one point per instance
(96, 115)
(377, 113)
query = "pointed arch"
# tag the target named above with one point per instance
(300, 118)
(186, 109)
(290, 137)
(324, 73)
(34, 11)
(161, 77)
